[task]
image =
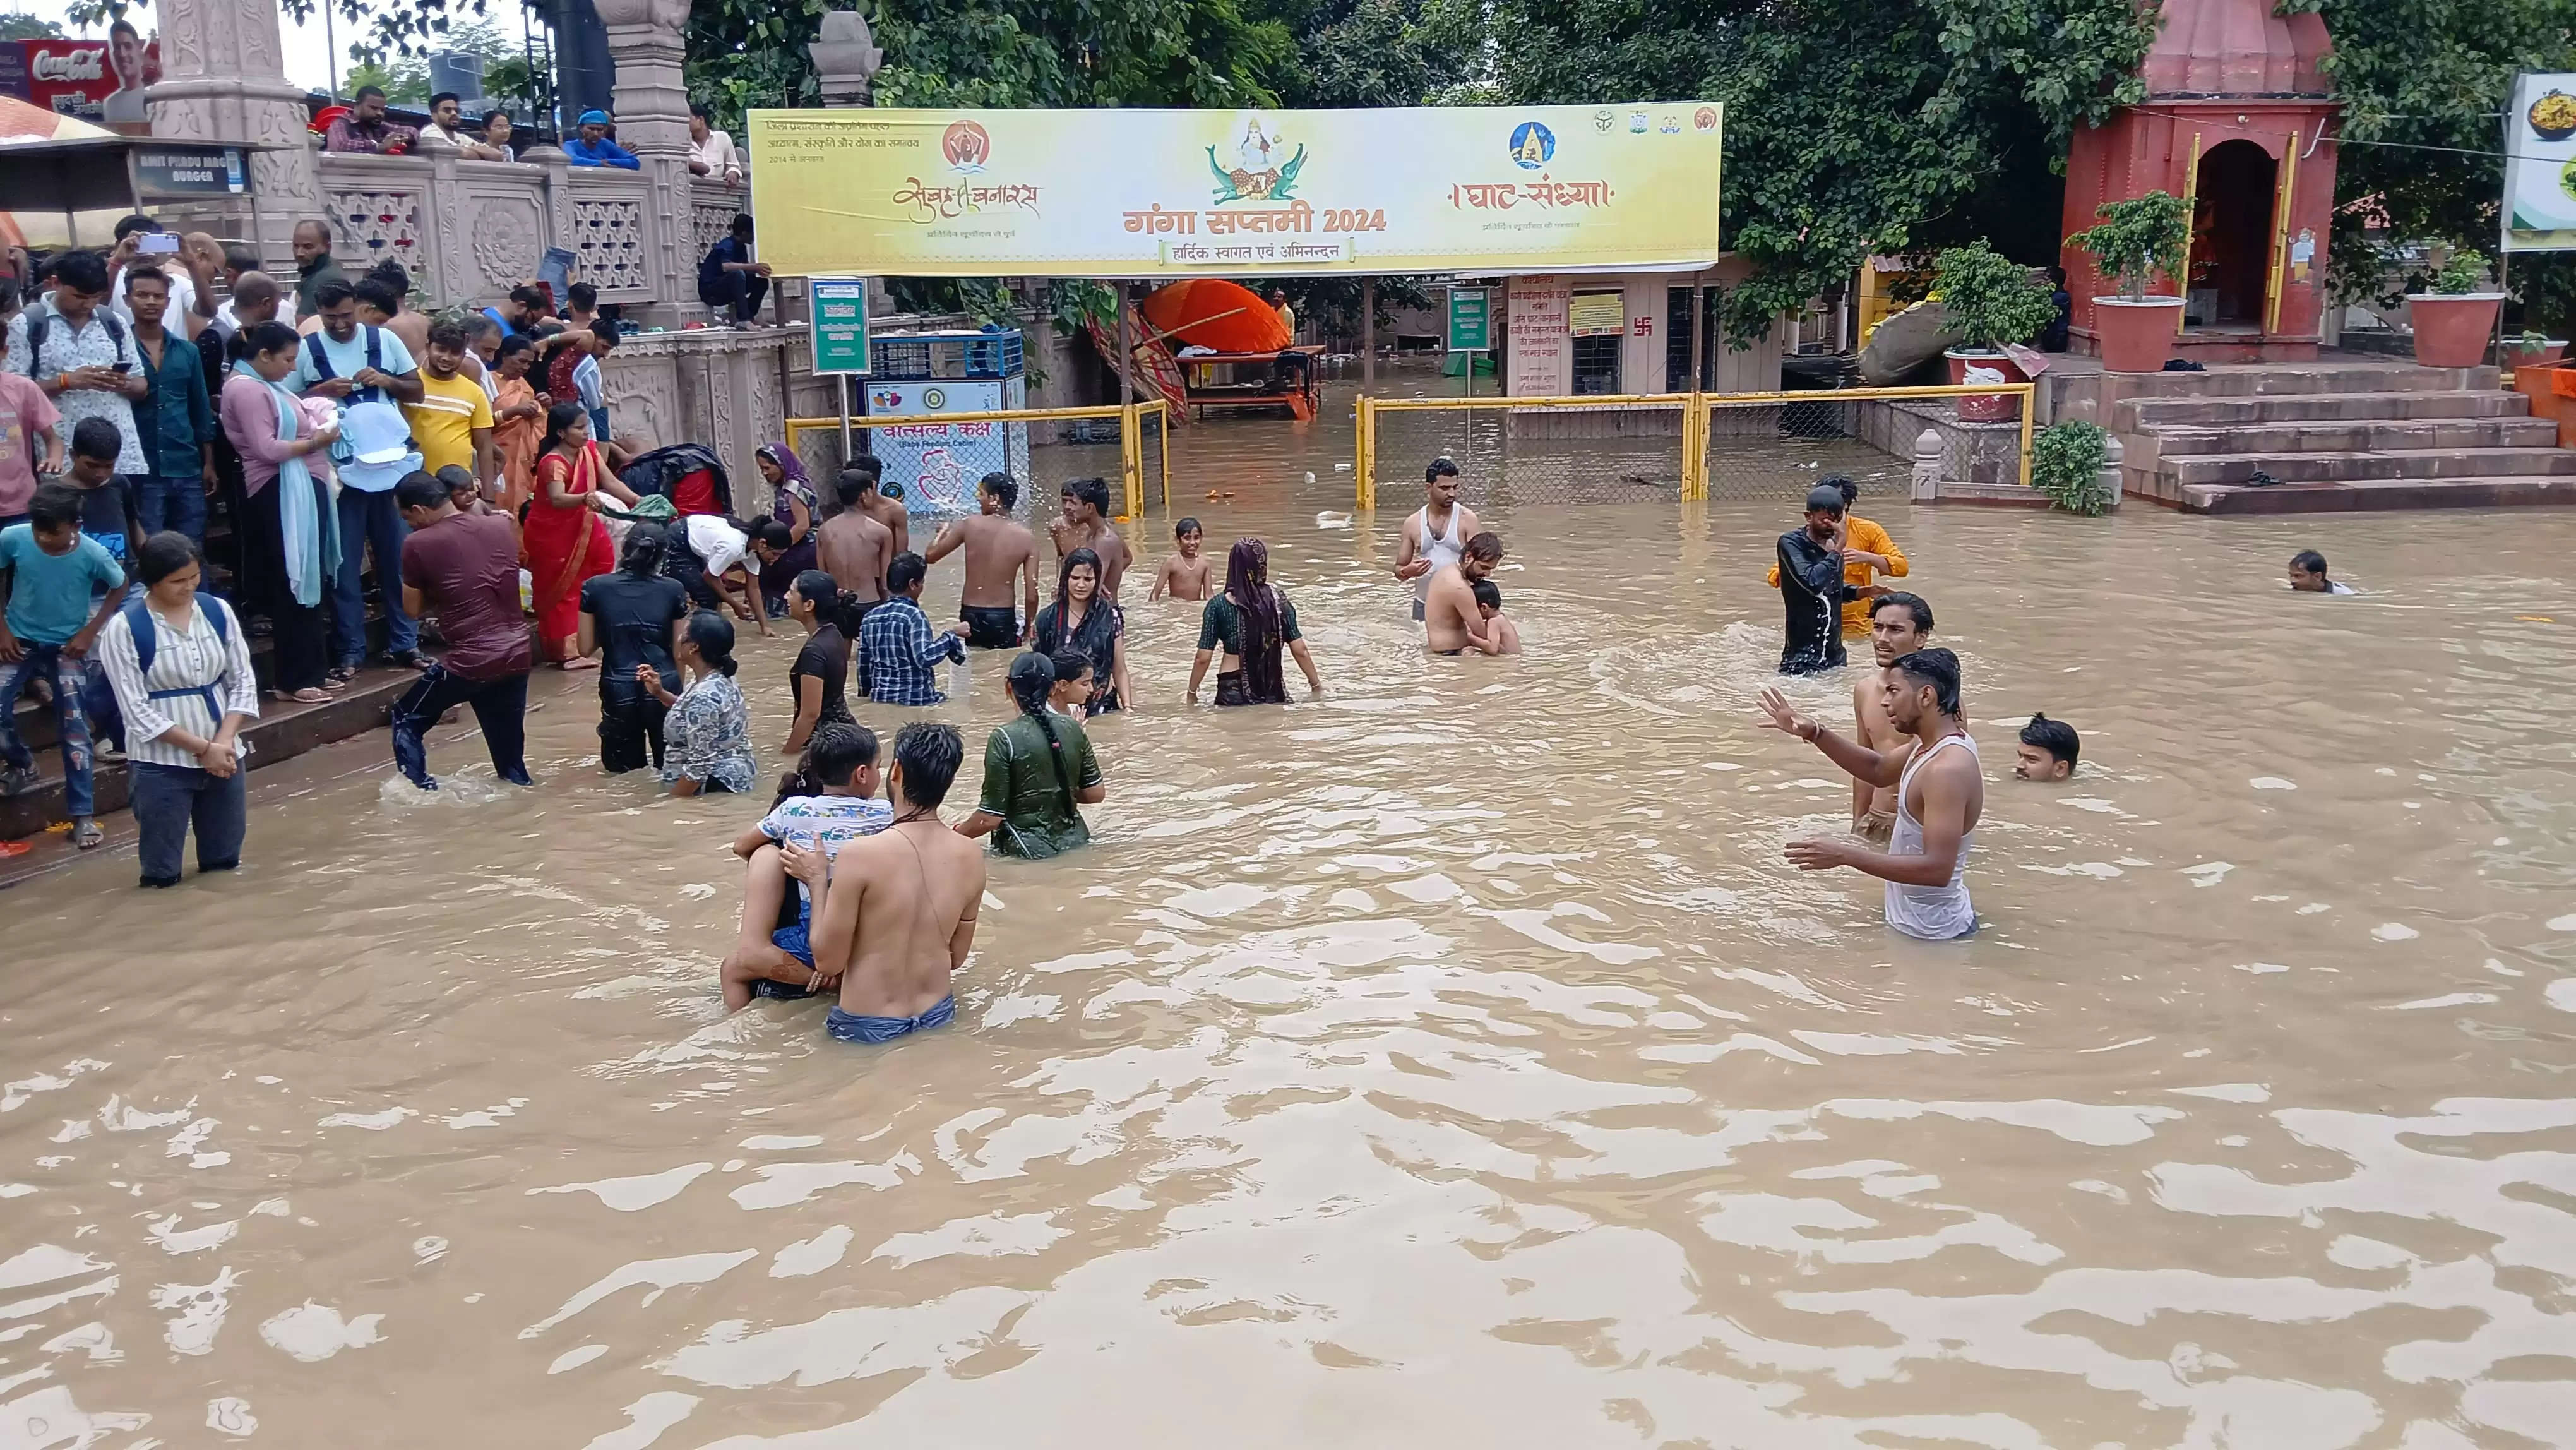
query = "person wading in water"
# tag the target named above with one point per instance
(1940, 796)
(1812, 587)
(1000, 552)
(1248, 625)
(1436, 535)
(1899, 624)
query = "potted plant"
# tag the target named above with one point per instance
(1988, 300)
(2136, 239)
(2529, 349)
(2453, 321)
(2066, 467)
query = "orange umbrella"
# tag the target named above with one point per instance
(1211, 312)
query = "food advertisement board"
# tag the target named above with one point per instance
(2540, 163)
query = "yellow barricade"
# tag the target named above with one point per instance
(1693, 446)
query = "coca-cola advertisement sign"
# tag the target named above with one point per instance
(99, 81)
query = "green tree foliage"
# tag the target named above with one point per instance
(1852, 126)
(18, 25)
(2424, 85)
(405, 78)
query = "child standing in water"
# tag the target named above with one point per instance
(1502, 637)
(1186, 574)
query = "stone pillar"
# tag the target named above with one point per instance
(653, 122)
(846, 58)
(1929, 454)
(223, 80)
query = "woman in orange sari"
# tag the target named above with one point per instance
(565, 541)
(518, 421)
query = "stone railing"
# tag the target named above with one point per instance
(469, 231)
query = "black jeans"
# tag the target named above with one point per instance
(741, 291)
(630, 728)
(500, 707)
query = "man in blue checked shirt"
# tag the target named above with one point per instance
(899, 653)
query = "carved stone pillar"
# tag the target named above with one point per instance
(846, 58)
(653, 122)
(223, 80)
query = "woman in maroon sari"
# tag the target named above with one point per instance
(565, 541)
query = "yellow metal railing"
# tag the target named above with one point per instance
(1696, 411)
(1131, 443)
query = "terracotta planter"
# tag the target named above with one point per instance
(2137, 333)
(1985, 408)
(2451, 330)
(2514, 355)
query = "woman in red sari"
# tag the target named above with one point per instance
(566, 542)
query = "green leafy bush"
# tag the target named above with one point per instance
(2465, 272)
(2066, 465)
(2138, 238)
(1988, 299)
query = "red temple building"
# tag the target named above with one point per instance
(2234, 121)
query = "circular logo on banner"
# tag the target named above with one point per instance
(965, 145)
(1533, 145)
(933, 398)
(1705, 119)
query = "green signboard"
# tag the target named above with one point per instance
(840, 324)
(1471, 319)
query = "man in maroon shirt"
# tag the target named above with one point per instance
(464, 568)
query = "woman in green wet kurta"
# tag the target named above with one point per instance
(1038, 770)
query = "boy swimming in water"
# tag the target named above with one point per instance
(1186, 573)
(2047, 750)
(1502, 637)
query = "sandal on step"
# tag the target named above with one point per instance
(87, 835)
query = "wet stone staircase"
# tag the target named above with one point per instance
(2334, 437)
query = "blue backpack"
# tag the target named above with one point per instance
(147, 640)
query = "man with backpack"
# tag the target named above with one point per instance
(82, 355)
(368, 371)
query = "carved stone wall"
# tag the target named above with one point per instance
(727, 388)
(223, 80)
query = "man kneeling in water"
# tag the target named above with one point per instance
(1940, 796)
(830, 802)
(899, 918)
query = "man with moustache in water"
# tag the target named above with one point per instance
(1899, 624)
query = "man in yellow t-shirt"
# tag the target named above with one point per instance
(1866, 548)
(452, 422)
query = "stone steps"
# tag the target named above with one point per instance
(2355, 466)
(2307, 380)
(2374, 495)
(2140, 414)
(2360, 437)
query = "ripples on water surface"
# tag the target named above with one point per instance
(1451, 1062)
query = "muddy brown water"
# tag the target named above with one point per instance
(1451, 1061)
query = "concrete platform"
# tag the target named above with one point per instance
(281, 733)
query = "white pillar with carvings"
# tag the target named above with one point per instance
(222, 79)
(653, 122)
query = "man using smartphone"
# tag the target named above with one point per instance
(189, 264)
(83, 355)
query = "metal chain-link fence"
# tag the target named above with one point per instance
(937, 467)
(1711, 445)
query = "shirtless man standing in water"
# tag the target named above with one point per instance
(874, 503)
(852, 546)
(1451, 622)
(1085, 525)
(898, 918)
(1899, 624)
(997, 549)
(1940, 796)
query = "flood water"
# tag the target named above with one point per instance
(1452, 1061)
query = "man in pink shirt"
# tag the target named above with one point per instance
(27, 417)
